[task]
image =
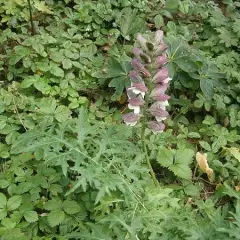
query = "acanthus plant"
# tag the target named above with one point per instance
(149, 82)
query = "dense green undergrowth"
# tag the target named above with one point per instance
(69, 168)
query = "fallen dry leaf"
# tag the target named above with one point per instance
(203, 164)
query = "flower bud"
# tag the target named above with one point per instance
(141, 56)
(139, 66)
(156, 127)
(161, 75)
(161, 60)
(131, 118)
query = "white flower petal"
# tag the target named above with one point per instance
(163, 104)
(167, 80)
(136, 109)
(159, 119)
(131, 123)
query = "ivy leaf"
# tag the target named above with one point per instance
(14, 202)
(30, 216)
(70, 207)
(55, 217)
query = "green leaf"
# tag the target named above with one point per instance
(39, 49)
(3, 200)
(3, 121)
(130, 23)
(205, 145)
(53, 204)
(181, 170)
(206, 86)
(159, 21)
(184, 6)
(194, 135)
(192, 190)
(117, 68)
(8, 223)
(42, 85)
(67, 63)
(165, 157)
(4, 151)
(70, 207)
(3, 213)
(235, 152)
(15, 59)
(4, 184)
(14, 202)
(186, 64)
(27, 82)
(62, 113)
(55, 217)
(56, 70)
(172, 4)
(57, 56)
(184, 156)
(118, 83)
(22, 51)
(30, 216)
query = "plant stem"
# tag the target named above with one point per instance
(144, 142)
(31, 18)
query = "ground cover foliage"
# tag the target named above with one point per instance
(70, 169)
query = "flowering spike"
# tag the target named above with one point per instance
(150, 50)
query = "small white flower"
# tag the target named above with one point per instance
(136, 109)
